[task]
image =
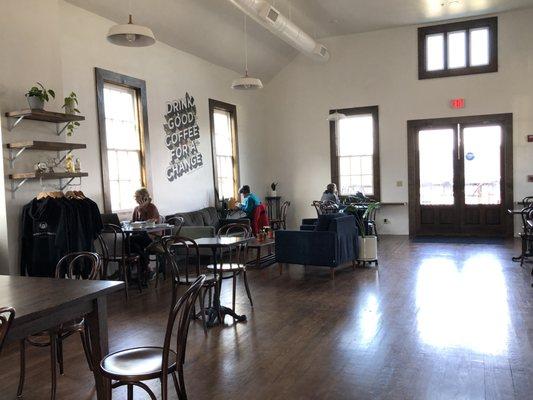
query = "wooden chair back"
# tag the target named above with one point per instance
(79, 265)
(7, 315)
(183, 256)
(237, 254)
(283, 213)
(177, 222)
(112, 243)
(180, 313)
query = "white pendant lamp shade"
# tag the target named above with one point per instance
(246, 82)
(131, 35)
(336, 116)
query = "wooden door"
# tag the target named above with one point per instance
(460, 176)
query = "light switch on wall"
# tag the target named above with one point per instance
(399, 183)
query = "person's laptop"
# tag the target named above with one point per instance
(110, 219)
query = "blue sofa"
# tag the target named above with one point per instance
(331, 242)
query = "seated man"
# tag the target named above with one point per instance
(249, 203)
(330, 194)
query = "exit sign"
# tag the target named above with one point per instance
(457, 104)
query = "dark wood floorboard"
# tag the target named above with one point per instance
(435, 321)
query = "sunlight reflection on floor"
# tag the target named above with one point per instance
(463, 304)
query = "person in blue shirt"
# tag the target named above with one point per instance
(249, 203)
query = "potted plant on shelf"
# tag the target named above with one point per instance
(70, 104)
(38, 95)
(368, 243)
(273, 187)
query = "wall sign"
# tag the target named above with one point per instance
(182, 137)
(457, 104)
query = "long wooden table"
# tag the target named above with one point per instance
(43, 303)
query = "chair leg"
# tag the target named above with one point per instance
(22, 368)
(60, 356)
(130, 392)
(332, 273)
(139, 276)
(354, 265)
(53, 362)
(183, 392)
(201, 299)
(176, 385)
(244, 277)
(84, 334)
(122, 266)
(234, 294)
(280, 268)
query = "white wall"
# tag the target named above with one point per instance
(62, 53)
(380, 68)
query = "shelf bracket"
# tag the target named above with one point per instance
(16, 186)
(59, 130)
(12, 157)
(62, 187)
(64, 157)
(13, 124)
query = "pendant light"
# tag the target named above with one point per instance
(246, 82)
(336, 116)
(131, 35)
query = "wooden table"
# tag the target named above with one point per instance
(266, 260)
(44, 303)
(215, 244)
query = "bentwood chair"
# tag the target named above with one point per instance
(281, 222)
(112, 247)
(130, 367)
(7, 315)
(80, 265)
(527, 233)
(158, 250)
(183, 255)
(235, 264)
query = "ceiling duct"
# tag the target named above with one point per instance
(265, 14)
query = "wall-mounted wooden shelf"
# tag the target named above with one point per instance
(23, 177)
(47, 175)
(16, 149)
(45, 145)
(44, 116)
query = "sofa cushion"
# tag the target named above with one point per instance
(193, 218)
(324, 221)
(210, 216)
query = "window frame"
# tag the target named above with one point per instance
(139, 86)
(232, 110)
(335, 173)
(490, 23)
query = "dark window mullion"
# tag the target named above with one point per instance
(467, 47)
(445, 38)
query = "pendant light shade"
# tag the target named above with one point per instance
(131, 35)
(336, 116)
(246, 82)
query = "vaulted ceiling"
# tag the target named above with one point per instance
(213, 29)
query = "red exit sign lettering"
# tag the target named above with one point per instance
(457, 104)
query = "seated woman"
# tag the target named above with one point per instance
(140, 242)
(249, 203)
(330, 194)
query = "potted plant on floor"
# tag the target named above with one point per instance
(273, 187)
(38, 95)
(368, 243)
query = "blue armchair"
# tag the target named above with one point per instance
(332, 242)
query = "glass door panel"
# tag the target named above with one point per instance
(482, 164)
(436, 166)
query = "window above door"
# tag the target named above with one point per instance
(460, 48)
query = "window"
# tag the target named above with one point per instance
(223, 118)
(355, 152)
(123, 138)
(461, 48)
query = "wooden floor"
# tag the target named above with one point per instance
(435, 321)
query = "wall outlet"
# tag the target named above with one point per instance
(399, 183)
(386, 221)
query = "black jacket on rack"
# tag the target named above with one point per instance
(53, 227)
